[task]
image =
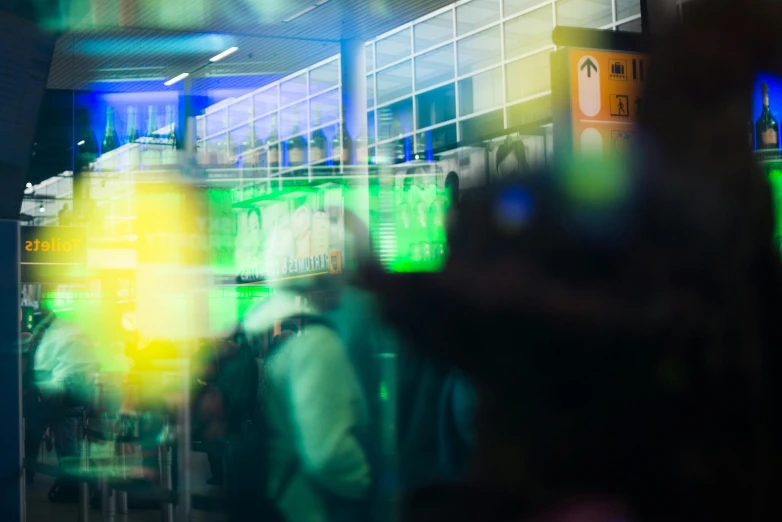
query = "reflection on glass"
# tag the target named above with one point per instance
(514, 6)
(293, 120)
(296, 146)
(324, 77)
(436, 140)
(239, 112)
(436, 106)
(627, 8)
(393, 48)
(293, 90)
(435, 30)
(633, 26)
(265, 101)
(528, 32)
(327, 105)
(476, 14)
(482, 127)
(480, 92)
(395, 119)
(479, 51)
(394, 82)
(371, 127)
(584, 13)
(528, 76)
(434, 67)
(215, 122)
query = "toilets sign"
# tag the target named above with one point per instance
(53, 246)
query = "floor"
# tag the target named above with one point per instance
(39, 509)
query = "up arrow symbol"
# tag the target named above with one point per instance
(589, 65)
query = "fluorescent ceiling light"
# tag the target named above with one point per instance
(175, 79)
(80, 143)
(300, 13)
(223, 54)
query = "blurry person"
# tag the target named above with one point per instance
(609, 387)
(225, 397)
(313, 410)
(60, 368)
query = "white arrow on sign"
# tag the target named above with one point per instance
(589, 86)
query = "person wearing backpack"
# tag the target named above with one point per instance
(313, 414)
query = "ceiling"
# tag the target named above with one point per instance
(137, 44)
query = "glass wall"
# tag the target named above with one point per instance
(454, 76)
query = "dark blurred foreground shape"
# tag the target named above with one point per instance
(624, 354)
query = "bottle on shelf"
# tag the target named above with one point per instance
(341, 146)
(273, 149)
(132, 127)
(318, 140)
(171, 124)
(767, 127)
(150, 135)
(109, 135)
(297, 147)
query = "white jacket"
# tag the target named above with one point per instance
(314, 409)
(65, 353)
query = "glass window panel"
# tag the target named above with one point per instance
(266, 128)
(395, 119)
(515, 6)
(435, 140)
(433, 31)
(476, 14)
(482, 127)
(434, 67)
(528, 76)
(436, 106)
(631, 27)
(370, 58)
(325, 108)
(293, 90)
(239, 112)
(479, 51)
(240, 140)
(215, 122)
(481, 92)
(216, 148)
(370, 90)
(371, 127)
(531, 111)
(265, 101)
(324, 77)
(528, 32)
(393, 48)
(293, 120)
(395, 82)
(627, 8)
(584, 13)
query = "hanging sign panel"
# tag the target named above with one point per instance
(600, 98)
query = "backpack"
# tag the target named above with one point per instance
(247, 467)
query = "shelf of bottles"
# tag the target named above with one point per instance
(156, 147)
(290, 128)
